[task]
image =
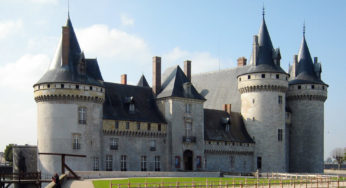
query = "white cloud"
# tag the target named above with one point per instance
(201, 61)
(126, 21)
(23, 73)
(102, 41)
(9, 27)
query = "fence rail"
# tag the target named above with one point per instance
(253, 183)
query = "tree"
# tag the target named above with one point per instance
(8, 154)
(339, 155)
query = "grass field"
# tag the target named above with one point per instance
(189, 182)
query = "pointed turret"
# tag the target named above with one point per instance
(69, 63)
(306, 71)
(143, 82)
(265, 57)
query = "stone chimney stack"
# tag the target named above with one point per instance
(156, 74)
(65, 44)
(187, 69)
(294, 67)
(254, 49)
(124, 79)
(241, 61)
(227, 108)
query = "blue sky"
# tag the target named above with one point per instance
(124, 35)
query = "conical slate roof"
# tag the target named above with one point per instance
(60, 71)
(143, 82)
(305, 72)
(265, 54)
(176, 84)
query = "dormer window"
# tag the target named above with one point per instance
(187, 88)
(188, 108)
(227, 128)
(130, 101)
(226, 123)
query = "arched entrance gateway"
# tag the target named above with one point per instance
(188, 160)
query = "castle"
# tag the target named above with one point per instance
(253, 116)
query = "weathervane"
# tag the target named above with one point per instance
(304, 29)
(263, 11)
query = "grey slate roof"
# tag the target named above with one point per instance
(116, 105)
(143, 82)
(175, 85)
(220, 87)
(215, 123)
(265, 54)
(58, 72)
(305, 72)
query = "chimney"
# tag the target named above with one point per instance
(187, 69)
(241, 61)
(156, 74)
(254, 49)
(65, 44)
(124, 79)
(227, 108)
(294, 67)
(315, 60)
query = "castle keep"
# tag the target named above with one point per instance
(253, 116)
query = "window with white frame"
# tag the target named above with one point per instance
(82, 115)
(96, 164)
(157, 163)
(144, 163)
(114, 143)
(76, 140)
(132, 108)
(123, 163)
(109, 162)
(280, 99)
(227, 127)
(188, 107)
(188, 129)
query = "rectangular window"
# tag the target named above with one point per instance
(109, 162)
(280, 99)
(279, 134)
(132, 108)
(123, 163)
(96, 164)
(116, 125)
(143, 163)
(157, 163)
(188, 108)
(138, 126)
(82, 115)
(149, 127)
(114, 143)
(263, 75)
(199, 162)
(188, 129)
(259, 162)
(127, 125)
(76, 141)
(277, 76)
(231, 161)
(159, 127)
(153, 145)
(177, 162)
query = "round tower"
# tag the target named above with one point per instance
(263, 92)
(305, 97)
(69, 99)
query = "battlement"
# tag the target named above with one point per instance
(307, 92)
(68, 91)
(263, 82)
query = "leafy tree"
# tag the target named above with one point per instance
(339, 155)
(8, 154)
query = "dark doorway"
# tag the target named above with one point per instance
(188, 160)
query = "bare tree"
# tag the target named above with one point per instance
(338, 155)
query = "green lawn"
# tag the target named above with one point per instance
(156, 182)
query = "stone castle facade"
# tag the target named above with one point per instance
(254, 116)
